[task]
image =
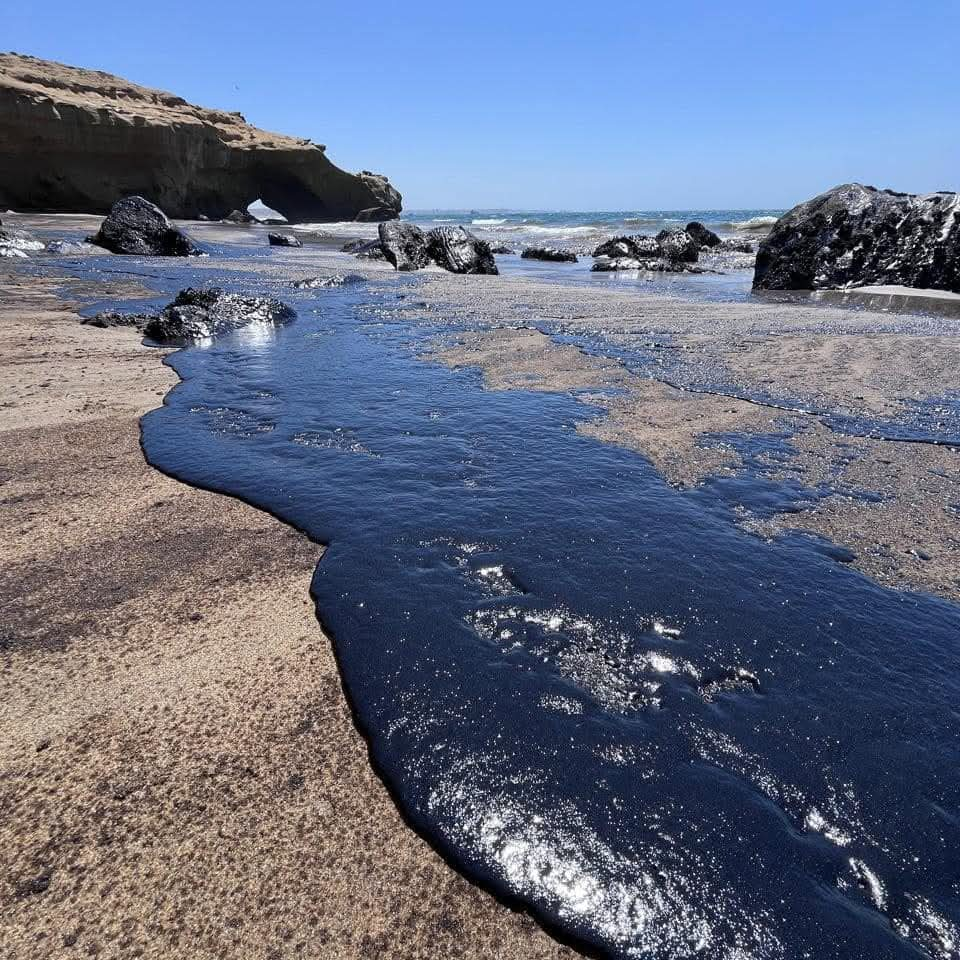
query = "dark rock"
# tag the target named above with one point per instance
(202, 314)
(854, 235)
(239, 216)
(376, 215)
(678, 246)
(605, 264)
(355, 246)
(283, 240)
(637, 247)
(551, 254)
(501, 248)
(729, 680)
(35, 885)
(608, 264)
(338, 280)
(456, 249)
(404, 245)
(137, 226)
(703, 236)
(736, 245)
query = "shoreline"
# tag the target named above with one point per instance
(174, 782)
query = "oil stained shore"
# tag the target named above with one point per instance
(589, 689)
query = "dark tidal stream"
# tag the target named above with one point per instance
(591, 691)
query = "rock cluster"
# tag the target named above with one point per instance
(200, 315)
(137, 226)
(76, 140)
(670, 251)
(854, 235)
(407, 247)
(551, 254)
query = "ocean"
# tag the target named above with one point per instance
(570, 230)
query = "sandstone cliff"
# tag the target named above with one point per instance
(78, 140)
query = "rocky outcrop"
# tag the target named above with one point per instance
(404, 245)
(283, 240)
(612, 264)
(678, 246)
(854, 235)
(703, 236)
(456, 249)
(137, 226)
(199, 315)
(551, 254)
(77, 140)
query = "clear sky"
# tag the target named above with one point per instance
(557, 105)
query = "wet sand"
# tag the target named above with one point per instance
(180, 771)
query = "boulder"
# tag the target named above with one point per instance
(501, 248)
(703, 236)
(75, 140)
(609, 264)
(202, 314)
(636, 247)
(678, 246)
(137, 226)
(551, 254)
(283, 240)
(404, 245)
(368, 250)
(239, 216)
(854, 235)
(456, 249)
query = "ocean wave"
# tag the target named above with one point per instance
(488, 222)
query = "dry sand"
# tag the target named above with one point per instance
(179, 772)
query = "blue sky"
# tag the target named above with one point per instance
(556, 105)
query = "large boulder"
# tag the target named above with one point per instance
(283, 240)
(854, 235)
(203, 314)
(678, 246)
(137, 226)
(75, 140)
(404, 245)
(551, 254)
(456, 249)
(703, 236)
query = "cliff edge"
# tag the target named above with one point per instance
(77, 140)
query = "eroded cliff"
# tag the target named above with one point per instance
(77, 140)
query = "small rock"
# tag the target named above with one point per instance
(283, 240)
(678, 246)
(551, 254)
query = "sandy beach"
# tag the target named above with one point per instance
(181, 776)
